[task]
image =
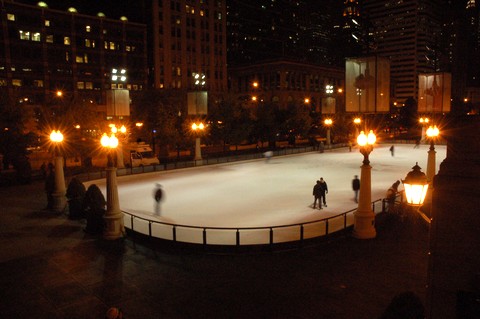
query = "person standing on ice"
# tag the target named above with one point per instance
(323, 192)
(356, 187)
(157, 195)
(316, 195)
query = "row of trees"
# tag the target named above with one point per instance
(230, 120)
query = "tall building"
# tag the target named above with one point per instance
(188, 37)
(409, 34)
(303, 31)
(44, 51)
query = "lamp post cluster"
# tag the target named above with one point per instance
(416, 184)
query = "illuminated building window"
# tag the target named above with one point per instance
(88, 43)
(24, 35)
(80, 85)
(10, 17)
(85, 58)
(112, 45)
(38, 83)
(36, 36)
(79, 59)
(17, 82)
(87, 28)
(89, 85)
(3, 82)
(47, 23)
(49, 38)
(66, 40)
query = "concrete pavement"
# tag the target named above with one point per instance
(50, 268)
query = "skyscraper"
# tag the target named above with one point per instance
(409, 34)
(290, 30)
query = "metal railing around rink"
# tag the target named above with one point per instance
(238, 236)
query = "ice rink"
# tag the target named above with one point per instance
(258, 193)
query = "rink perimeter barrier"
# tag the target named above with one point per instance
(239, 236)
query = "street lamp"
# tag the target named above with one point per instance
(197, 128)
(328, 123)
(114, 228)
(432, 134)
(123, 131)
(356, 122)
(416, 187)
(423, 122)
(364, 223)
(59, 199)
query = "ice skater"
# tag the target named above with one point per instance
(323, 192)
(316, 195)
(392, 150)
(268, 155)
(356, 187)
(157, 195)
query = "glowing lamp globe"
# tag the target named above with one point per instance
(416, 186)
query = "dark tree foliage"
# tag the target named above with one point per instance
(408, 113)
(162, 114)
(230, 122)
(13, 140)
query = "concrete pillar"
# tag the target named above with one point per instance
(454, 258)
(364, 217)
(114, 227)
(198, 149)
(431, 163)
(59, 199)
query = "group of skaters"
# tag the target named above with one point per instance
(320, 190)
(319, 193)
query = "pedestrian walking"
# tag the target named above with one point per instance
(157, 195)
(355, 187)
(392, 150)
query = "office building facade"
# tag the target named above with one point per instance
(45, 53)
(188, 38)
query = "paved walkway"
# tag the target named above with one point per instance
(49, 268)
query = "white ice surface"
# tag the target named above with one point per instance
(259, 193)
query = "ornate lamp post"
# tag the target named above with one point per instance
(432, 134)
(364, 223)
(197, 128)
(328, 124)
(416, 187)
(59, 199)
(113, 216)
